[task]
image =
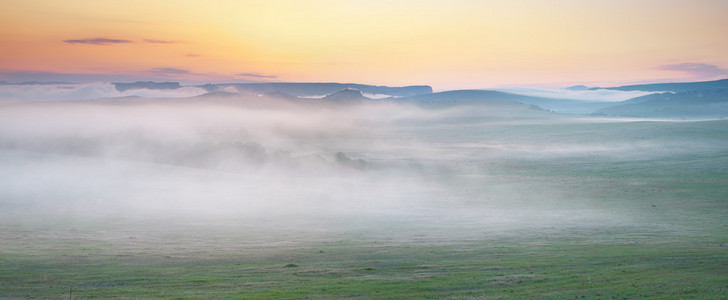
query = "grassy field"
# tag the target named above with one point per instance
(557, 268)
(599, 222)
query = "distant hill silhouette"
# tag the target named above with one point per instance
(346, 95)
(698, 104)
(578, 88)
(673, 87)
(466, 96)
(319, 89)
(684, 100)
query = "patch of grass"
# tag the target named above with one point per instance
(558, 269)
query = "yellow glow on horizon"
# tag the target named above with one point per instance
(455, 44)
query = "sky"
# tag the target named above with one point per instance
(451, 44)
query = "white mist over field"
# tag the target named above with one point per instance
(604, 95)
(291, 162)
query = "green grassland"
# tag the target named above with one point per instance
(648, 222)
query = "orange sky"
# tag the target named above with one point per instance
(447, 44)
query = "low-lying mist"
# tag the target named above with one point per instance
(260, 158)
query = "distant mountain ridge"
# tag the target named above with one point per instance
(694, 104)
(470, 96)
(296, 89)
(672, 87)
(300, 89)
(682, 100)
(346, 95)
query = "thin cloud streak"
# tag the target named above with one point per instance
(152, 41)
(699, 70)
(98, 41)
(256, 75)
(169, 71)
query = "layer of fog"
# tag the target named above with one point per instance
(599, 95)
(85, 91)
(253, 158)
